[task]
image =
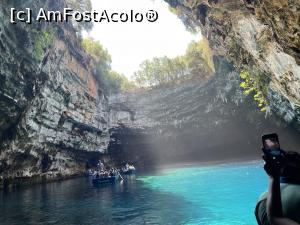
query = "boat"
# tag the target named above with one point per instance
(106, 180)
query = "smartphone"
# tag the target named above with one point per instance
(271, 146)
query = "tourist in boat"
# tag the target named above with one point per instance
(100, 166)
(111, 172)
(281, 205)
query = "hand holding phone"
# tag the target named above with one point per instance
(271, 148)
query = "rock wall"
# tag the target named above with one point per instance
(53, 114)
(192, 122)
(258, 36)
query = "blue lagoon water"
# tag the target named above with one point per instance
(209, 195)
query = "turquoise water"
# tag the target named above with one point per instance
(218, 195)
(211, 195)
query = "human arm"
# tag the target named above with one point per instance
(274, 205)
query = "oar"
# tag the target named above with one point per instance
(120, 175)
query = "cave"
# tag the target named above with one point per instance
(190, 123)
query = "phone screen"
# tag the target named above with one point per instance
(271, 146)
(271, 143)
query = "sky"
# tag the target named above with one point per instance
(130, 44)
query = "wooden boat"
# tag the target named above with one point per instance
(105, 180)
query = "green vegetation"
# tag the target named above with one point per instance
(200, 57)
(42, 40)
(119, 82)
(99, 54)
(111, 81)
(160, 70)
(196, 63)
(256, 85)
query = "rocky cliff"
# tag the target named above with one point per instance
(192, 122)
(54, 116)
(262, 37)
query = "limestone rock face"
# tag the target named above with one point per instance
(53, 114)
(193, 121)
(259, 36)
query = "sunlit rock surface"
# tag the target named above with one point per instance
(258, 36)
(53, 115)
(193, 121)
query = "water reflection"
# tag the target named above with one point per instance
(78, 202)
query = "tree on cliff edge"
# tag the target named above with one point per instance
(110, 80)
(197, 63)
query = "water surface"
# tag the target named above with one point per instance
(210, 195)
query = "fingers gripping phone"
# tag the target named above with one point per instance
(271, 147)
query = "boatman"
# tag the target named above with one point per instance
(100, 166)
